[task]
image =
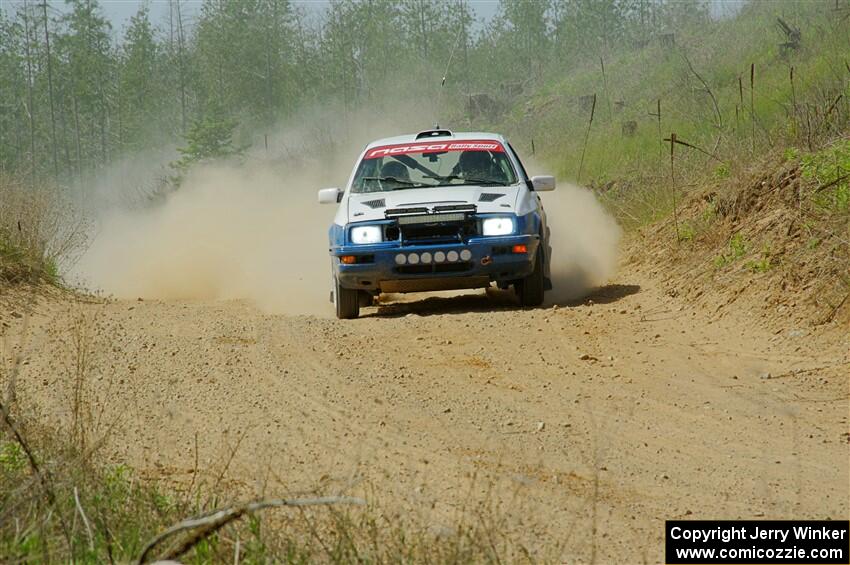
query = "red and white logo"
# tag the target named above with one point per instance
(472, 145)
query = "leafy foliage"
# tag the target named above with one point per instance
(209, 138)
(737, 249)
(830, 167)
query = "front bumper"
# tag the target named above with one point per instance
(488, 259)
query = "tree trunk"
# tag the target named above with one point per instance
(50, 92)
(78, 138)
(182, 71)
(30, 109)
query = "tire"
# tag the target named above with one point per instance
(346, 301)
(530, 290)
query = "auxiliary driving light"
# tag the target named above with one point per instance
(413, 258)
(400, 259)
(466, 254)
(452, 256)
(439, 256)
(426, 257)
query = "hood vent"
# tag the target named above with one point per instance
(489, 197)
(377, 203)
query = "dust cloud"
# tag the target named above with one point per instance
(585, 242)
(252, 230)
(230, 232)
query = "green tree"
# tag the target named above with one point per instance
(209, 138)
(242, 50)
(521, 30)
(13, 140)
(139, 88)
(89, 66)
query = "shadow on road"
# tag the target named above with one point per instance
(606, 294)
(492, 299)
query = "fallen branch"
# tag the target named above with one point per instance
(836, 309)
(700, 149)
(216, 520)
(832, 182)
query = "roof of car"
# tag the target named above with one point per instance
(424, 136)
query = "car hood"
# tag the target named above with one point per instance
(487, 199)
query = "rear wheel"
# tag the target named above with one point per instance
(530, 289)
(346, 301)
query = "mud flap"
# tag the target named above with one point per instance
(364, 298)
(547, 262)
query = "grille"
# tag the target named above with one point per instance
(431, 218)
(451, 223)
(438, 232)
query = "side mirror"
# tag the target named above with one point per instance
(330, 195)
(543, 183)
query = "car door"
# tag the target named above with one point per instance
(545, 232)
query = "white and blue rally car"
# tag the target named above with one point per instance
(438, 210)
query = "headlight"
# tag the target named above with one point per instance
(497, 226)
(366, 234)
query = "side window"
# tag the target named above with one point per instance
(367, 168)
(505, 172)
(518, 160)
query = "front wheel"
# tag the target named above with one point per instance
(346, 301)
(530, 289)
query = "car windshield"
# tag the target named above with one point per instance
(434, 164)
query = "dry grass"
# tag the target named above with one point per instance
(40, 233)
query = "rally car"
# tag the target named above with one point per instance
(438, 210)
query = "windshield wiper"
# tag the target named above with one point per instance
(391, 179)
(407, 183)
(468, 180)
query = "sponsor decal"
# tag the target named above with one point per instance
(405, 149)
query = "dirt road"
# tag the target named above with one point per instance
(582, 426)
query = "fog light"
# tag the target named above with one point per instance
(348, 259)
(400, 259)
(452, 256)
(439, 256)
(413, 258)
(466, 254)
(426, 257)
(520, 248)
